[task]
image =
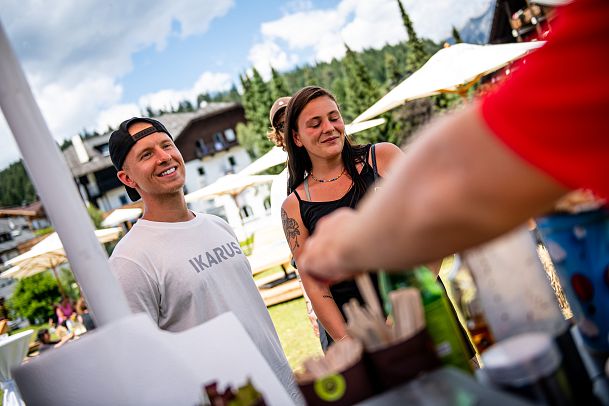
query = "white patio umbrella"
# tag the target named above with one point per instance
(278, 156)
(120, 216)
(231, 184)
(272, 158)
(49, 254)
(450, 70)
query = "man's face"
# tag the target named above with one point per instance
(153, 166)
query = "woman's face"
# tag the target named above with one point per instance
(321, 130)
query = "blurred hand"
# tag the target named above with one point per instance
(324, 254)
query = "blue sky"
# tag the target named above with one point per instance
(92, 64)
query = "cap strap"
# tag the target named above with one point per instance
(146, 131)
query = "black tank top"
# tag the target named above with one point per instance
(311, 212)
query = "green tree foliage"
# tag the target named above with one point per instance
(456, 35)
(416, 56)
(34, 297)
(393, 74)
(263, 101)
(250, 140)
(257, 101)
(16, 189)
(96, 215)
(361, 92)
(279, 86)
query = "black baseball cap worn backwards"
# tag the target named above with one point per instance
(121, 143)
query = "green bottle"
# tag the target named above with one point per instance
(441, 323)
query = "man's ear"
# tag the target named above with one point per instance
(125, 179)
(296, 138)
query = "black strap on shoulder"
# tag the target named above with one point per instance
(374, 167)
(297, 195)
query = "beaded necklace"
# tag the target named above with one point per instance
(328, 180)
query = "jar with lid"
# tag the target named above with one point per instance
(528, 365)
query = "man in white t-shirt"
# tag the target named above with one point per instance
(180, 267)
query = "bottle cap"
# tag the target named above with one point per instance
(521, 360)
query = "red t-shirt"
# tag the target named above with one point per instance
(554, 110)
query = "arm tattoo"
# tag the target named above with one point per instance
(328, 297)
(290, 228)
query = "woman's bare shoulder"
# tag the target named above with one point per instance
(386, 153)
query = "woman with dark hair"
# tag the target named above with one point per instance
(326, 171)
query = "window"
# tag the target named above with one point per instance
(103, 149)
(246, 211)
(232, 161)
(201, 170)
(218, 141)
(229, 133)
(202, 149)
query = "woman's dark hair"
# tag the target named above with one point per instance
(299, 162)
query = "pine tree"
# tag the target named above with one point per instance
(279, 87)
(392, 72)
(416, 56)
(361, 93)
(257, 101)
(456, 35)
(262, 104)
(16, 189)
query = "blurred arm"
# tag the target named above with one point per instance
(456, 187)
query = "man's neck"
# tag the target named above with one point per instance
(169, 209)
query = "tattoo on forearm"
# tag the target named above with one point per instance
(290, 228)
(328, 297)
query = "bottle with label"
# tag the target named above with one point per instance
(441, 322)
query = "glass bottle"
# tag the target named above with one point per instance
(440, 321)
(465, 296)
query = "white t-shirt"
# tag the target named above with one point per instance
(183, 274)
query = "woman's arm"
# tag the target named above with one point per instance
(319, 293)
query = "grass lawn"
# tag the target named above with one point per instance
(293, 327)
(295, 332)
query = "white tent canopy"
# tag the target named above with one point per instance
(231, 184)
(272, 158)
(49, 253)
(120, 216)
(449, 70)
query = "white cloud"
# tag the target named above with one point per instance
(208, 82)
(65, 107)
(321, 33)
(266, 54)
(212, 82)
(74, 54)
(73, 40)
(115, 115)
